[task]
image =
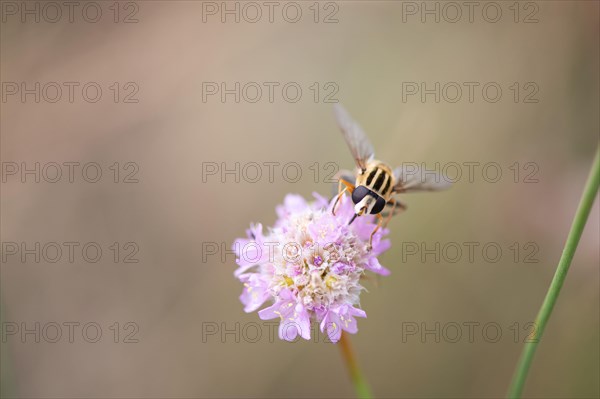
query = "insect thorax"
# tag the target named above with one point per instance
(378, 177)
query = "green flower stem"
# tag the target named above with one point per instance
(581, 216)
(360, 383)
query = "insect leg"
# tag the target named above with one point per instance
(389, 216)
(341, 174)
(345, 174)
(338, 199)
(397, 207)
(395, 203)
(379, 221)
(349, 187)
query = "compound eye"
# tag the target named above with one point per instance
(359, 193)
(379, 205)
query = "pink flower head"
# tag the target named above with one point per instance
(309, 265)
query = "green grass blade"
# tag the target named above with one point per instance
(581, 216)
(361, 386)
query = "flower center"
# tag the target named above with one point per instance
(317, 260)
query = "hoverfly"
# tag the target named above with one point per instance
(375, 182)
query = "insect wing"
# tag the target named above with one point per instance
(355, 137)
(411, 179)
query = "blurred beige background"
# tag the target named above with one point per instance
(170, 133)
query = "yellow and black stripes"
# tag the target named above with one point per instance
(379, 180)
